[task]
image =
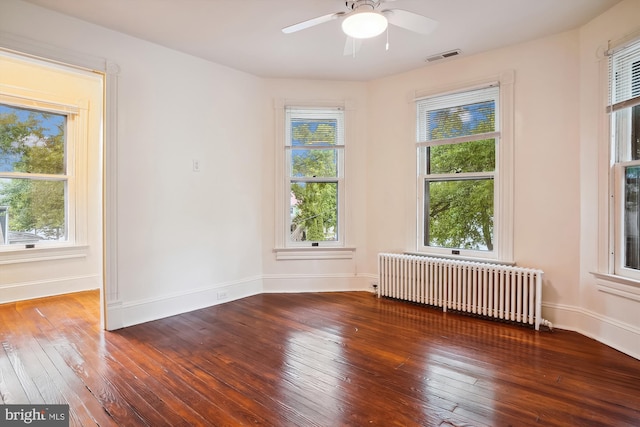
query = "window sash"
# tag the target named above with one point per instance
(620, 219)
(332, 187)
(71, 113)
(459, 139)
(456, 179)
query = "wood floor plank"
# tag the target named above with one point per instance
(11, 388)
(240, 374)
(317, 359)
(23, 364)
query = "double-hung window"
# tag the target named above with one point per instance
(314, 165)
(461, 204)
(624, 109)
(48, 113)
(36, 173)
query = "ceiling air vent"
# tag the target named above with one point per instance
(443, 55)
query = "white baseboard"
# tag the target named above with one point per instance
(113, 316)
(135, 312)
(294, 283)
(122, 314)
(50, 287)
(618, 335)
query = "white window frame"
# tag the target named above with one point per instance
(337, 114)
(285, 248)
(621, 101)
(502, 175)
(68, 177)
(76, 217)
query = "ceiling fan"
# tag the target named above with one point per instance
(364, 19)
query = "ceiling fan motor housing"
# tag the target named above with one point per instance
(366, 4)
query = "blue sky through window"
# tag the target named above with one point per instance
(50, 123)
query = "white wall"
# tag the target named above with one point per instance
(185, 239)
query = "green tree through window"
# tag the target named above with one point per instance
(32, 174)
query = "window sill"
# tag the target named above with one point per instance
(37, 254)
(618, 286)
(313, 253)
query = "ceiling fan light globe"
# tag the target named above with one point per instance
(364, 25)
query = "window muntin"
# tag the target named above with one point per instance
(34, 175)
(458, 136)
(625, 139)
(314, 150)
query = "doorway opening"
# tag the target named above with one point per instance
(51, 178)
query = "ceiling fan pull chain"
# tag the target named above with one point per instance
(387, 45)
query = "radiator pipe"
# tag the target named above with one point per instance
(545, 322)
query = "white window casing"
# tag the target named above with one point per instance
(500, 88)
(285, 111)
(624, 125)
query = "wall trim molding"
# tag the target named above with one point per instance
(49, 287)
(122, 314)
(305, 282)
(113, 316)
(148, 309)
(619, 335)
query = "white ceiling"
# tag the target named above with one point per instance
(246, 34)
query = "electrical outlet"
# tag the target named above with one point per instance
(196, 165)
(222, 295)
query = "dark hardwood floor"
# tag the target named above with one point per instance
(321, 359)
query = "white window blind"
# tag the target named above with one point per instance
(427, 104)
(332, 116)
(624, 71)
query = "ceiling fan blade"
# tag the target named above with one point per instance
(352, 46)
(311, 22)
(410, 21)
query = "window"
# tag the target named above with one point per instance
(314, 164)
(463, 209)
(48, 112)
(34, 175)
(624, 107)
